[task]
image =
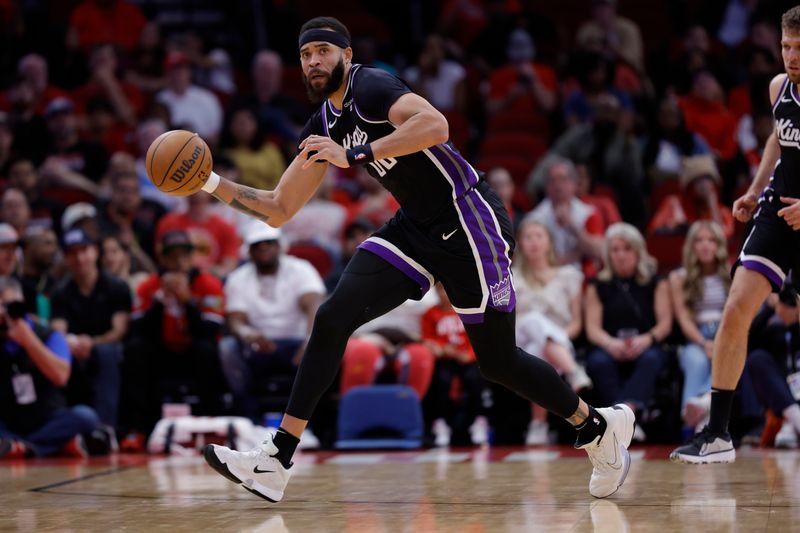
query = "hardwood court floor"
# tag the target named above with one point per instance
(474, 490)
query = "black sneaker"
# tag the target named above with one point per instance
(102, 441)
(705, 447)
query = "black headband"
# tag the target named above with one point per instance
(328, 36)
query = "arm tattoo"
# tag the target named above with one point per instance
(239, 206)
(246, 193)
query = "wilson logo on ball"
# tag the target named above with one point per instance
(186, 165)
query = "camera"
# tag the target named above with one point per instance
(15, 310)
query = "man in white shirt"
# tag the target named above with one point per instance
(575, 227)
(270, 303)
(190, 107)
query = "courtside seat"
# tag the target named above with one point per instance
(667, 248)
(517, 165)
(380, 416)
(531, 147)
(315, 254)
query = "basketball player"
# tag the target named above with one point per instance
(771, 249)
(450, 228)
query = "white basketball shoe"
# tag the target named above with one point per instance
(609, 452)
(258, 470)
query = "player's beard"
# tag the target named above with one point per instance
(334, 82)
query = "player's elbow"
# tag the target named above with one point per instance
(440, 129)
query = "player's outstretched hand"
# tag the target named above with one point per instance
(318, 148)
(743, 206)
(791, 213)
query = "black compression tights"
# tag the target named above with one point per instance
(371, 287)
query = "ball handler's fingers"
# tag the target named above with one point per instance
(305, 141)
(314, 157)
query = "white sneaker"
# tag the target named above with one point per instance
(786, 437)
(441, 432)
(578, 379)
(537, 433)
(609, 452)
(258, 470)
(479, 431)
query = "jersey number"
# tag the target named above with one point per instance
(382, 165)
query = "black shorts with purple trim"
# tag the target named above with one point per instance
(772, 247)
(468, 248)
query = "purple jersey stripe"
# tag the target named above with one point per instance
(471, 318)
(398, 262)
(775, 278)
(458, 170)
(325, 120)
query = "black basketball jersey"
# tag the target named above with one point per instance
(786, 110)
(425, 182)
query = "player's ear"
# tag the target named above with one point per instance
(348, 55)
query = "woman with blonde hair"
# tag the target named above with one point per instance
(699, 290)
(628, 315)
(549, 307)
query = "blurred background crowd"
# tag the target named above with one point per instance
(617, 133)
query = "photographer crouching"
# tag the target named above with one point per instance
(35, 364)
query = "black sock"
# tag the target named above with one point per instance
(286, 444)
(594, 426)
(721, 402)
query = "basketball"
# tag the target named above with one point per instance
(178, 162)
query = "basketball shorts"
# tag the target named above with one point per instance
(468, 248)
(772, 247)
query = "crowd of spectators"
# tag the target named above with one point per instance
(616, 139)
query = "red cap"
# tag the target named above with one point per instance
(175, 59)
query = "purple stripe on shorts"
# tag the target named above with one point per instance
(471, 318)
(398, 262)
(496, 272)
(761, 268)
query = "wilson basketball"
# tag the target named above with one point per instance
(178, 162)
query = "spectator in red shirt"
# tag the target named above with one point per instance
(443, 333)
(522, 85)
(700, 185)
(172, 347)
(706, 114)
(124, 97)
(215, 241)
(96, 22)
(605, 206)
(33, 69)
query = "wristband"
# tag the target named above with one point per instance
(211, 183)
(360, 155)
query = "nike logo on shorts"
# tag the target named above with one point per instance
(446, 236)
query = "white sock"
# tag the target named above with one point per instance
(792, 415)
